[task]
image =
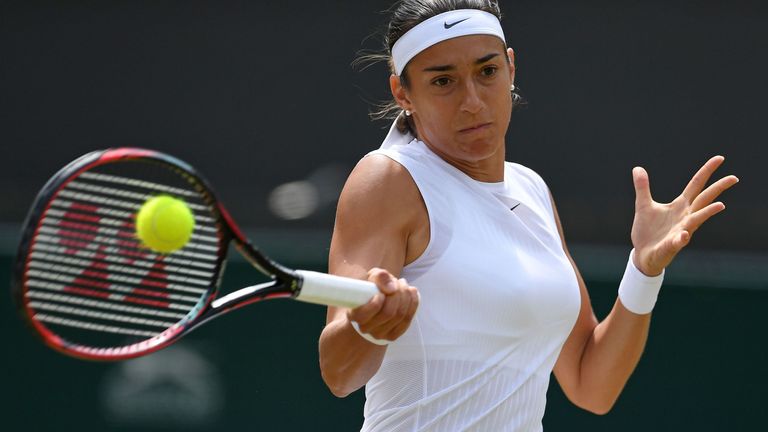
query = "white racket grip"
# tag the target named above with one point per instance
(322, 288)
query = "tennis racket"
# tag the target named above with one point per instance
(91, 290)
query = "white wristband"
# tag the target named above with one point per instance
(637, 291)
(368, 337)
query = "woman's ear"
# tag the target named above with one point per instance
(399, 93)
(511, 57)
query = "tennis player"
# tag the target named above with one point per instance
(500, 303)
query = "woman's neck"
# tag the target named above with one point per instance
(488, 170)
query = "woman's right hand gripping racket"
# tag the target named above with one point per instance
(90, 289)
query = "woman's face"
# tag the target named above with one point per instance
(459, 94)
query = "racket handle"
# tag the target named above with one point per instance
(322, 288)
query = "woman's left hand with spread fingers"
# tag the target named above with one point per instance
(660, 230)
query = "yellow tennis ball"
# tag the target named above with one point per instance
(164, 223)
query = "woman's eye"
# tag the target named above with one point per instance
(489, 70)
(441, 82)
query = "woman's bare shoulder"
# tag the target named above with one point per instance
(381, 193)
(379, 178)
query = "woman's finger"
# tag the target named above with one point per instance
(396, 309)
(681, 240)
(363, 314)
(667, 250)
(642, 187)
(383, 279)
(413, 306)
(712, 192)
(697, 218)
(388, 316)
(700, 179)
(406, 298)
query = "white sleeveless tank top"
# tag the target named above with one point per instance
(498, 300)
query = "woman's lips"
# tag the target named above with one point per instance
(475, 128)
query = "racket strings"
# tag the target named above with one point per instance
(125, 227)
(126, 248)
(97, 262)
(90, 280)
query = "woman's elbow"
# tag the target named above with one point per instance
(599, 409)
(339, 380)
(338, 391)
(335, 385)
(596, 405)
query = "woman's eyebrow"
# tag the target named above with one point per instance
(486, 58)
(443, 68)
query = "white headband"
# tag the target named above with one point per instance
(441, 27)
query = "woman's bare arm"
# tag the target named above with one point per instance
(381, 224)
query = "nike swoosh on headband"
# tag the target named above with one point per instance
(447, 26)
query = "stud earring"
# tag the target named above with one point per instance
(512, 87)
(407, 113)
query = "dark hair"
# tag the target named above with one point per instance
(405, 15)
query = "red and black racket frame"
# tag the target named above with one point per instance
(286, 283)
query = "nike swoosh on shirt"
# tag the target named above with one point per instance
(513, 208)
(447, 26)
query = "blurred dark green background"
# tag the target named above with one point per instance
(260, 97)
